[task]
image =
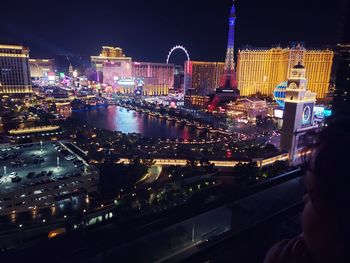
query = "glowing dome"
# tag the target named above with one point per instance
(280, 93)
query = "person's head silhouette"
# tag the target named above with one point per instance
(326, 215)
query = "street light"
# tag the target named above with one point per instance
(58, 163)
(41, 146)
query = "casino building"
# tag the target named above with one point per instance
(14, 71)
(40, 68)
(111, 65)
(204, 77)
(161, 73)
(262, 69)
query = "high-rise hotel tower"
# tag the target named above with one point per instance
(262, 69)
(14, 71)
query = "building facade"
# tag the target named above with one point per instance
(298, 117)
(40, 68)
(14, 70)
(111, 65)
(155, 90)
(261, 70)
(250, 107)
(196, 101)
(204, 77)
(162, 73)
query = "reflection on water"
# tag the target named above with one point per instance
(116, 118)
(34, 213)
(13, 218)
(53, 210)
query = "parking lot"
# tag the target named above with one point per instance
(28, 165)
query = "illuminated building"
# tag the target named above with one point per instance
(204, 76)
(196, 102)
(63, 107)
(279, 94)
(227, 90)
(138, 87)
(228, 78)
(163, 73)
(14, 70)
(126, 86)
(40, 68)
(251, 107)
(70, 70)
(155, 90)
(179, 78)
(261, 70)
(112, 64)
(298, 117)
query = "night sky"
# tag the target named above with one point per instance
(146, 30)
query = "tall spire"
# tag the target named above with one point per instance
(233, 10)
(228, 87)
(229, 79)
(230, 62)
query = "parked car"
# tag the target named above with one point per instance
(13, 174)
(31, 175)
(16, 179)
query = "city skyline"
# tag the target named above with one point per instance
(184, 131)
(153, 28)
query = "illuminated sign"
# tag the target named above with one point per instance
(306, 117)
(319, 112)
(327, 112)
(51, 77)
(278, 113)
(126, 82)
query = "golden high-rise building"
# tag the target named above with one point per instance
(14, 70)
(261, 70)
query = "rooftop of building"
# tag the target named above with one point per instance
(143, 63)
(44, 60)
(5, 46)
(279, 48)
(207, 62)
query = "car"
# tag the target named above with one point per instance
(31, 175)
(39, 159)
(79, 165)
(13, 174)
(70, 157)
(16, 179)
